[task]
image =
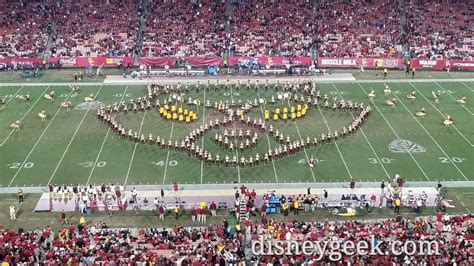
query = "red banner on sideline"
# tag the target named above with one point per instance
(443, 64)
(271, 60)
(94, 61)
(203, 61)
(158, 61)
(356, 62)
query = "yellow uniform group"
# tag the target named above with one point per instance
(171, 112)
(286, 113)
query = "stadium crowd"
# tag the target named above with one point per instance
(85, 28)
(212, 28)
(224, 243)
(185, 28)
(23, 28)
(437, 32)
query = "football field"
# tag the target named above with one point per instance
(74, 147)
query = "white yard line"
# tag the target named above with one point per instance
(235, 141)
(203, 122)
(134, 150)
(168, 155)
(442, 115)
(368, 142)
(103, 143)
(38, 141)
(27, 112)
(304, 149)
(268, 140)
(70, 142)
(462, 203)
(462, 82)
(396, 134)
(446, 92)
(337, 146)
(14, 96)
(431, 137)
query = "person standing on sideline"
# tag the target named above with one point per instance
(203, 215)
(382, 186)
(325, 194)
(134, 195)
(352, 186)
(162, 193)
(20, 195)
(213, 208)
(176, 212)
(161, 210)
(63, 218)
(193, 214)
(398, 202)
(264, 209)
(296, 207)
(12, 213)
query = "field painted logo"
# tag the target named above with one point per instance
(405, 146)
(94, 105)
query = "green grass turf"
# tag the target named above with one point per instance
(74, 147)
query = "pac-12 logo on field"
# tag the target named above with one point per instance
(94, 105)
(405, 146)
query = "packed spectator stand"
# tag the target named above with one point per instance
(182, 28)
(223, 243)
(221, 28)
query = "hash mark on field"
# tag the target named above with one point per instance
(429, 135)
(462, 82)
(23, 117)
(134, 150)
(396, 134)
(14, 96)
(368, 142)
(36, 144)
(72, 139)
(268, 140)
(168, 154)
(103, 143)
(455, 128)
(446, 92)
